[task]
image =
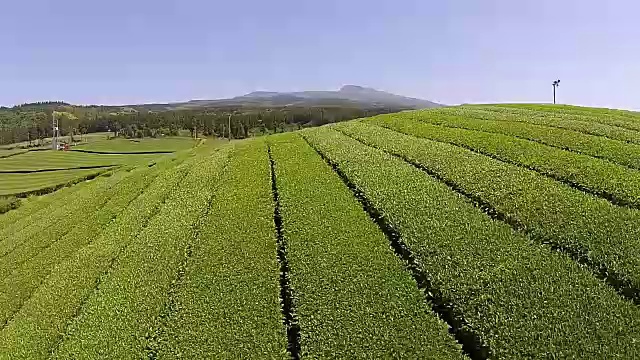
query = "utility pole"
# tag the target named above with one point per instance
(229, 127)
(54, 126)
(555, 85)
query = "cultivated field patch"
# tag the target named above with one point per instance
(472, 232)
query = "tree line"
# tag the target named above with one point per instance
(33, 122)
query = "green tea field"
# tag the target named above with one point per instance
(24, 172)
(133, 146)
(469, 232)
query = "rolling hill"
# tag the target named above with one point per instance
(468, 232)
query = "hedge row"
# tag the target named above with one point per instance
(585, 124)
(58, 222)
(39, 324)
(613, 150)
(356, 299)
(23, 185)
(22, 274)
(8, 203)
(616, 183)
(523, 300)
(115, 320)
(591, 229)
(14, 221)
(226, 305)
(36, 207)
(621, 118)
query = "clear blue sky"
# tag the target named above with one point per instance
(454, 51)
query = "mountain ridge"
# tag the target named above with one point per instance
(350, 96)
(353, 95)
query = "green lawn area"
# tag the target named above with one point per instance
(120, 145)
(12, 184)
(48, 160)
(49, 169)
(6, 152)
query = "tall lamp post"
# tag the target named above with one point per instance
(555, 85)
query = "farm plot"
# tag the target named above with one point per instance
(618, 184)
(620, 152)
(132, 146)
(620, 118)
(57, 222)
(413, 235)
(15, 220)
(502, 293)
(42, 161)
(225, 304)
(27, 266)
(594, 125)
(40, 183)
(36, 328)
(346, 282)
(591, 230)
(118, 319)
(41, 172)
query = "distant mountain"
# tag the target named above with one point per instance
(348, 95)
(258, 112)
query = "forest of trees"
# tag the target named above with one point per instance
(33, 122)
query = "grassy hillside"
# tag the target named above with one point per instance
(471, 232)
(138, 146)
(34, 172)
